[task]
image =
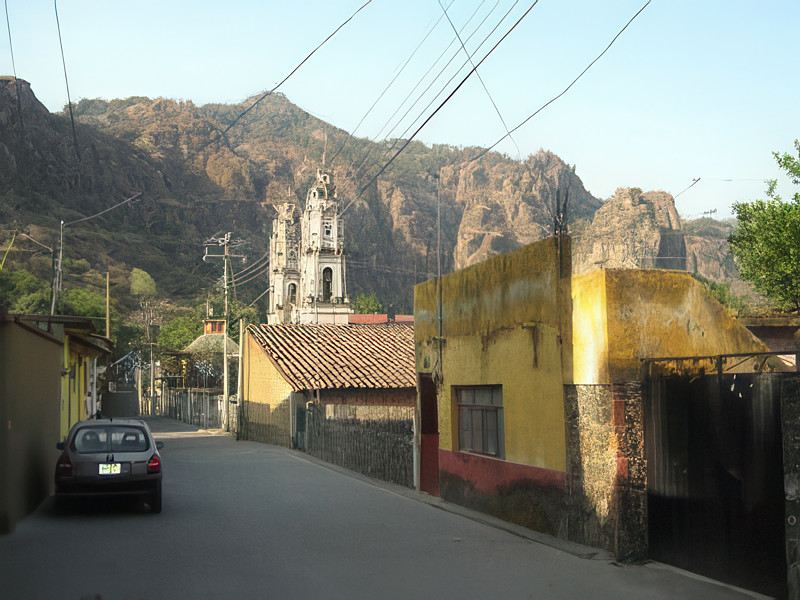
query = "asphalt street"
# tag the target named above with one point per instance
(249, 520)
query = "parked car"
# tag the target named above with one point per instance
(109, 457)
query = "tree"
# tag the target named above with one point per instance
(766, 242)
(366, 304)
(142, 284)
(179, 332)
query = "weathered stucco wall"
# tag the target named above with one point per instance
(622, 316)
(504, 322)
(30, 374)
(589, 328)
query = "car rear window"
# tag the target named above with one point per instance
(90, 440)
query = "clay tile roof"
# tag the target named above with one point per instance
(340, 356)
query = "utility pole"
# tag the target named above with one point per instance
(57, 277)
(226, 256)
(57, 274)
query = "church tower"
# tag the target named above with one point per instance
(284, 261)
(307, 263)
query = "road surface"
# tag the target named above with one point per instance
(249, 520)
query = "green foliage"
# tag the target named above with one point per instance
(738, 305)
(83, 302)
(366, 304)
(179, 332)
(766, 243)
(142, 285)
(23, 292)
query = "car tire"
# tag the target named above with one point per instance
(155, 499)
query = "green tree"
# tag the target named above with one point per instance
(23, 292)
(366, 304)
(83, 302)
(766, 242)
(142, 284)
(179, 332)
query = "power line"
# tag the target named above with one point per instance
(458, 87)
(104, 211)
(574, 81)
(486, 89)
(433, 81)
(386, 89)
(251, 266)
(694, 181)
(66, 81)
(14, 69)
(363, 159)
(273, 90)
(255, 274)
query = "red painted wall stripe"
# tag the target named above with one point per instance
(487, 474)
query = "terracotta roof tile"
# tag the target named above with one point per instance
(340, 356)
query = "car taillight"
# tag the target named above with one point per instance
(64, 466)
(154, 464)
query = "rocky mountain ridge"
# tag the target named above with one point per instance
(198, 180)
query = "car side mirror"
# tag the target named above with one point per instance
(159, 445)
(60, 445)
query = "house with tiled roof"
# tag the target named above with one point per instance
(343, 370)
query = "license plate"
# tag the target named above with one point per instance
(110, 469)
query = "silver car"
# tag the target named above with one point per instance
(109, 457)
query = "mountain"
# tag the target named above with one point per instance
(197, 180)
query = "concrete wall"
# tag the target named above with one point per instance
(622, 316)
(505, 322)
(513, 307)
(30, 374)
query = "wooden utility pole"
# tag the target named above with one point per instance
(108, 307)
(226, 256)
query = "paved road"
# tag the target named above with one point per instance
(248, 520)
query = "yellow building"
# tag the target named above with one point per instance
(344, 369)
(530, 386)
(82, 347)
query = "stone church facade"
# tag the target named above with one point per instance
(307, 263)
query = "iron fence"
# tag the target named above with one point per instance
(204, 407)
(378, 444)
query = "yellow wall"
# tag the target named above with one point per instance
(261, 380)
(589, 328)
(74, 384)
(647, 314)
(30, 367)
(622, 316)
(494, 314)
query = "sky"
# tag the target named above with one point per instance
(690, 89)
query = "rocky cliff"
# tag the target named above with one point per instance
(636, 229)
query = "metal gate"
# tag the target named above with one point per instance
(715, 468)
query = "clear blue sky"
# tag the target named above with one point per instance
(691, 89)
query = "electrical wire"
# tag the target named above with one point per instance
(361, 161)
(104, 211)
(252, 266)
(574, 81)
(255, 274)
(691, 185)
(285, 79)
(486, 89)
(66, 81)
(386, 89)
(433, 114)
(14, 69)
